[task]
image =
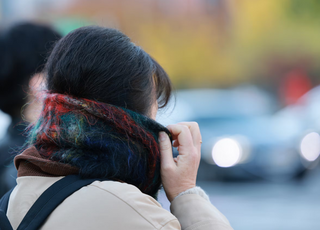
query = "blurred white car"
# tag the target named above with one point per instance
(241, 137)
(203, 103)
(300, 124)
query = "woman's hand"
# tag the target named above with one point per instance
(179, 174)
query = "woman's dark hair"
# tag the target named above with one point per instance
(102, 64)
(24, 48)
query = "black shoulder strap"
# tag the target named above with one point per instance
(4, 222)
(46, 203)
(50, 199)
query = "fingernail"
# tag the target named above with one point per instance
(162, 136)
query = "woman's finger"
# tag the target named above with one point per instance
(195, 132)
(183, 135)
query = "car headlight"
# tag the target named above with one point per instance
(227, 152)
(310, 146)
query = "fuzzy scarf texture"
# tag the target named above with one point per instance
(101, 140)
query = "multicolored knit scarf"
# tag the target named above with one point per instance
(102, 140)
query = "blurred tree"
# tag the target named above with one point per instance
(309, 9)
(265, 34)
(190, 39)
(213, 43)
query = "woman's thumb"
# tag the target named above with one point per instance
(165, 151)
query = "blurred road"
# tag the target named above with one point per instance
(267, 206)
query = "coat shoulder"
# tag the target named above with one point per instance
(113, 204)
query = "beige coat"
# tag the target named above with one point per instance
(114, 205)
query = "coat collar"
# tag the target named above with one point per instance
(31, 163)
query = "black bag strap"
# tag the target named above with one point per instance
(4, 222)
(48, 201)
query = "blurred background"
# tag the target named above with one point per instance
(247, 71)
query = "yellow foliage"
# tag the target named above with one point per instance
(203, 46)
